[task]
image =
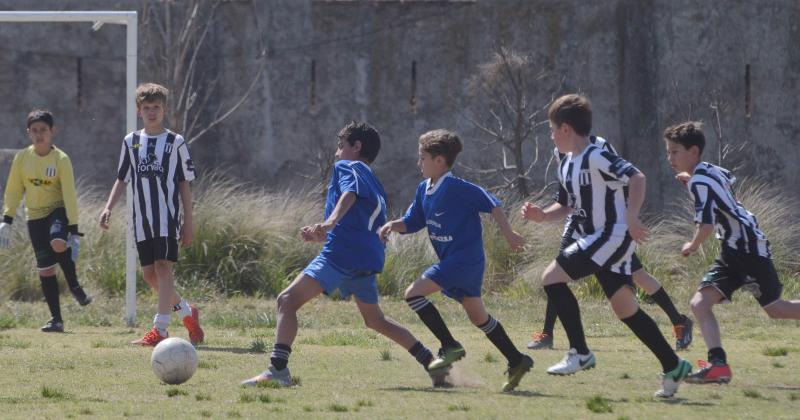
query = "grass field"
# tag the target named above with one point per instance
(347, 371)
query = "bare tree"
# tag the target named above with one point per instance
(508, 95)
(176, 34)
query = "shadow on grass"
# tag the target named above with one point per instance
(684, 401)
(784, 387)
(235, 350)
(428, 389)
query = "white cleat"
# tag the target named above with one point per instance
(572, 362)
(282, 377)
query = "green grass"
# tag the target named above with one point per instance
(350, 377)
(775, 351)
(599, 404)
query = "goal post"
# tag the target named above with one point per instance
(98, 19)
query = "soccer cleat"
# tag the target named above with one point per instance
(151, 338)
(439, 376)
(80, 296)
(716, 372)
(53, 326)
(281, 377)
(672, 380)
(572, 362)
(192, 324)
(516, 373)
(541, 340)
(447, 356)
(683, 333)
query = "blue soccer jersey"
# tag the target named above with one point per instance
(451, 211)
(354, 242)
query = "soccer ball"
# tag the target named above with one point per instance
(174, 360)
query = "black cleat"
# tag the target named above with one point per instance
(53, 326)
(80, 296)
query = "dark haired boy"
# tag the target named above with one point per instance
(745, 259)
(352, 255)
(157, 162)
(608, 225)
(450, 208)
(42, 173)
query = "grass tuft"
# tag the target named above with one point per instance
(489, 358)
(54, 393)
(258, 346)
(174, 392)
(458, 407)
(386, 355)
(599, 404)
(775, 351)
(338, 408)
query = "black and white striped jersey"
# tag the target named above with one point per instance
(595, 182)
(155, 164)
(715, 204)
(561, 196)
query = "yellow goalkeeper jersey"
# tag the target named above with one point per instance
(46, 182)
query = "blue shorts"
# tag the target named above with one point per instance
(457, 279)
(360, 283)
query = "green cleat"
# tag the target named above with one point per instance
(447, 356)
(516, 373)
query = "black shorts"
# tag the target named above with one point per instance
(152, 250)
(568, 240)
(44, 230)
(733, 270)
(579, 264)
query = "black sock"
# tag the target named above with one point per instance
(50, 291)
(646, 329)
(432, 319)
(549, 319)
(68, 268)
(422, 354)
(280, 356)
(717, 353)
(497, 335)
(568, 311)
(662, 299)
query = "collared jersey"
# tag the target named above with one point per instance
(450, 209)
(354, 243)
(47, 182)
(155, 165)
(711, 189)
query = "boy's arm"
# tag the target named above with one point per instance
(69, 194)
(555, 211)
(636, 189)
(513, 238)
(113, 197)
(187, 228)
(701, 233)
(318, 231)
(397, 225)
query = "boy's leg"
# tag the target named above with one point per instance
(518, 363)
(376, 320)
(49, 283)
(717, 369)
(427, 312)
(682, 324)
(58, 243)
(783, 309)
(554, 280)
(544, 339)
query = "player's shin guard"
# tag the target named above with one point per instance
(646, 329)
(497, 335)
(50, 292)
(569, 313)
(432, 319)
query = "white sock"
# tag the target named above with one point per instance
(161, 321)
(185, 309)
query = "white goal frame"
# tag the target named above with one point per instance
(98, 18)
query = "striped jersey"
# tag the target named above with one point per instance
(450, 209)
(715, 204)
(47, 182)
(155, 165)
(595, 181)
(354, 244)
(562, 197)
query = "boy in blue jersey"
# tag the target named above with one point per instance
(745, 257)
(352, 255)
(450, 208)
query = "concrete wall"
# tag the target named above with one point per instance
(645, 64)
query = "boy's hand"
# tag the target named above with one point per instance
(683, 178)
(638, 230)
(187, 234)
(689, 248)
(385, 231)
(532, 212)
(105, 217)
(5, 235)
(515, 241)
(315, 233)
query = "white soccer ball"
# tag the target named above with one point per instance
(174, 360)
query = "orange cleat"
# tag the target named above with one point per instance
(192, 324)
(150, 339)
(715, 372)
